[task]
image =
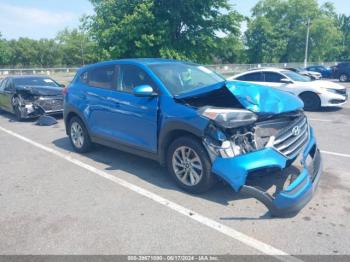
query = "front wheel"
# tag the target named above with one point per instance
(16, 105)
(343, 78)
(79, 136)
(311, 101)
(189, 165)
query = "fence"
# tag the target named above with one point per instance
(66, 74)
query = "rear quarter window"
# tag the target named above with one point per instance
(253, 77)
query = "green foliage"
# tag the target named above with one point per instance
(5, 51)
(343, 24)
(77, 48)
(204, 31)
(182, 29)
(277, 31)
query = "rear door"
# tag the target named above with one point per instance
(118, 115)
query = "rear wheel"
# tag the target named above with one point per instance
(311, 101)
(79, 136)
(343, 78)
(189, 165)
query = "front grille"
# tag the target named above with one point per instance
(292, 139)
(51, 104)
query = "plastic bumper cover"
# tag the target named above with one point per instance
(290, 200)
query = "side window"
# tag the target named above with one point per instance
(253, 77)
(2, 84)
(103, 77)
(8, 85)
(132, 76)
(84, 77)
(273, 77)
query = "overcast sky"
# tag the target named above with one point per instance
(44, 18)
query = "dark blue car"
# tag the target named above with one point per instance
(326, 72)
(200, 126)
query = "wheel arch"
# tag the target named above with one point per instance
(70, 115)
(172, 132)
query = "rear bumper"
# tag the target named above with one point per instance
(292, 198)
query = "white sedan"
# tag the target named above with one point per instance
(315, 94)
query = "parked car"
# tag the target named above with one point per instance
(314, 94)
(342, 71)
(199, 125)
(326, 72)
(31, 96)
(301, 71)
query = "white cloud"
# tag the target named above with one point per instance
(20, 21)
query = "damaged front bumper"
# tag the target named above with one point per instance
(41, 106)
(291, 198)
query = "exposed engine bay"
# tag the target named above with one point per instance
(33, 102)
(234, 130)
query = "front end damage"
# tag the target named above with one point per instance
(265, 138)
(34, 104)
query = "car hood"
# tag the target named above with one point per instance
(263, 99)
(259, 99)
(41, 90)
(328, 84)
(321, 84)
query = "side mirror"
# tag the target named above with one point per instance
(144, 90)
(286, 81)
(62, 85)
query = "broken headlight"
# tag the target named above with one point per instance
(229, 118)
(235, 129)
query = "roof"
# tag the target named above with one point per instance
(26, 76)
(140, 61)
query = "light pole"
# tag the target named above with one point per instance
(307, 41)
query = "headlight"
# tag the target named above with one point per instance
(331, 90)
(229, 118)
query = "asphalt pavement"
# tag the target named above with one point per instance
(54, 201)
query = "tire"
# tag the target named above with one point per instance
(311, 101)
(196, 174)
(79, 136)
(343, 78)
(16, 109)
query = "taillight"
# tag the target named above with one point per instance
(65, 90)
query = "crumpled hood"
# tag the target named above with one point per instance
(262, 99)
(41, 90)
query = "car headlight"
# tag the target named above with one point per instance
(229, 118)
(331, 90)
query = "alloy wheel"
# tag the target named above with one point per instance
(343, 78)
(187, 166)
(77, 135)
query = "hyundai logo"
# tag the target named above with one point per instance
(296, 131)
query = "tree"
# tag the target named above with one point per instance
(278, 28)
(5, 52)
(343, 24)
(77, 48)
(183, 29)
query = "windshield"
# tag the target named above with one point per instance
(296, 77)
(182, 78)
(35, 81)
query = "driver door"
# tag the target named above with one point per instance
(274, 79)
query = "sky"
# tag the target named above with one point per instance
(44, 18)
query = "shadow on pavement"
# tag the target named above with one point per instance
(151, 172)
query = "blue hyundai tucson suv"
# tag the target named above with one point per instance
(200, 126)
